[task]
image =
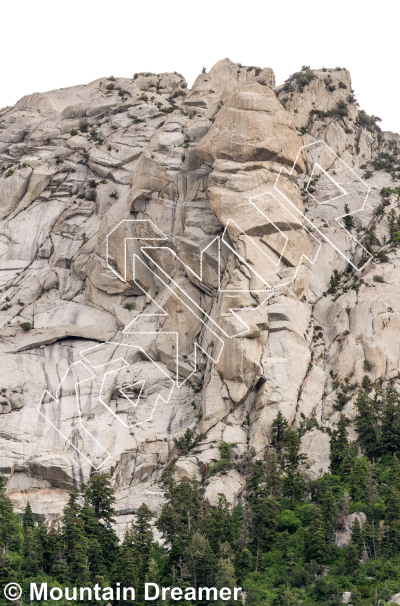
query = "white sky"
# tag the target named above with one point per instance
(47, 44)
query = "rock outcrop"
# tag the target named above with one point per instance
(343, 533)
(215, 182)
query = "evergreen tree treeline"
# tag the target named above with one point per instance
(278, 543)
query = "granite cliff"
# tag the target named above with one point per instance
(256, 288)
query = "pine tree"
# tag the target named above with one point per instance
(201, 561)
(28, 519)
(316, 538)
(394, 472)
(153, 576)
(142, 537)
(153, 573)
(126, 567)
(32, 551)
(367, 384)
(348, 219)
(330, 512)
(98, 517)
(99, 493)
(339, 445)
(32, 546)
(279, 429)
(242, 517)
(256, 481)
(272, 474)
(293, 484)
(75, 541)
(182, 515)
(43, 537)
(394, 537)
(393, 504)
(369, 538)
(292, 456)
(264, 523)
(220, 526)
(243, 563)
(70, 517)
(94, 534)
(393, 517)
(9, 522)
(225, 577)
(55, 556)
(367, 425)
(347, 465)
(8, 573)
(356, 537)
(351, 559)
(360, 480)
(132, 566)
(390, 423)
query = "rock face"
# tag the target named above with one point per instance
(136, 217)
(343, 534)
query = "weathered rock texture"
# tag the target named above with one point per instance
(75, 163)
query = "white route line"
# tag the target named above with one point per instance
(283, 170)
(56, 400)
(185, 299)
(344, 192)
(295, 219)
(126, 364)
(137, 222)
(85, 366)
